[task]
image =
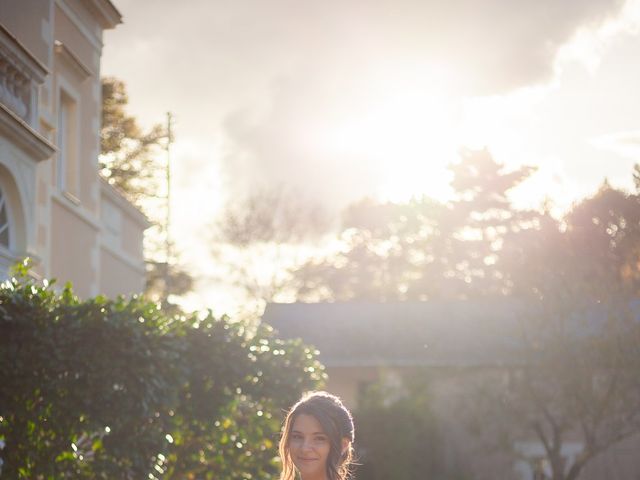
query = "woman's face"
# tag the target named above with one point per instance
(309, 447)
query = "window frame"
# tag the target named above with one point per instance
(67, 137)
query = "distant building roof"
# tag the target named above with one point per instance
(459, 333)
(436, 333)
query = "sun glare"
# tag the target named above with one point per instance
(409, 138)
(411, 128)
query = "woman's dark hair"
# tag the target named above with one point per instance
(337, 424)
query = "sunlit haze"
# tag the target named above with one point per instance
(342, 100)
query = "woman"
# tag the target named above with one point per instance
(317, 439)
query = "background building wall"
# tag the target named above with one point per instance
(74, 244)
(56, 196)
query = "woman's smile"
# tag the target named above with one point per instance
(316, 439)
(309, 446)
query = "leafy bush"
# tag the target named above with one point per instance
(115, 389)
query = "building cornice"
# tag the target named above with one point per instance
(113, 194)
(22, 57)
(105, 12)
(24, 136)
(72, 61)
(93, 37)
(76, 209)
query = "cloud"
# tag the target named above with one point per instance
(269, 78)
(227, 52)
(284, 146)
(625, 144)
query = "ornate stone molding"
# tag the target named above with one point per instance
(23, 135)
(20, 75)
(106, 13)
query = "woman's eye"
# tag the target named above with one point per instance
(321, 439)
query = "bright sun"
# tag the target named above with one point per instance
(409, 137)
(410, 132)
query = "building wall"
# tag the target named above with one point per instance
(132, 237)
(56, 205)
(74, 244)
(121, 265)
(84, 88)
(30, 23)
(348, 382)
(117, 275)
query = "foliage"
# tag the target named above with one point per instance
(425, 249)
(127, 153)
(260, 238)
(578, 382)
(580, 345)
(230, 429)
(166, 280)
(399, 437)
(115, 389)
(129, 160)
(271, 215)
(593, 252)
(83, 384)
(577, 379)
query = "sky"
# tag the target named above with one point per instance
(341, 99)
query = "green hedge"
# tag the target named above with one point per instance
(107, 389)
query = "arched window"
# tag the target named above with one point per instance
(5, 232)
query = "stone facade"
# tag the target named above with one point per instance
(54, 207)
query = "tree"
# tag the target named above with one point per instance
(261, 237)
(230, 429)
(127, 153)
(82, 384)
(425, 249)
(129, 160)
(165, 281)
(605, 232)
(482, 218)
(577, 275)
(578, 379)
(106, 389)
(577, 382)
(385, 250)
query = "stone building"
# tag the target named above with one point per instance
(54, 206)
